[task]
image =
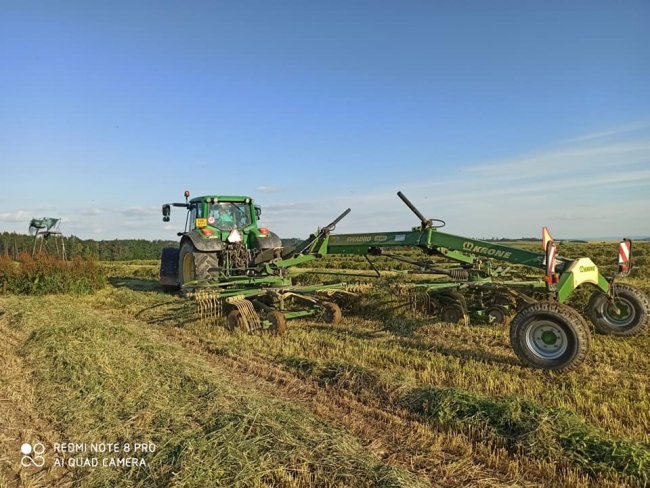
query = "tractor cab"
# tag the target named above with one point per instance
(218, 216)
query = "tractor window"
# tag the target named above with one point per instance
(191, 218)
(230, 215)
(196, 212)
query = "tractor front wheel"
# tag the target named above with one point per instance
(626, 314)
(548, 335)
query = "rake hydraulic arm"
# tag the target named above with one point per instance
(563, 277)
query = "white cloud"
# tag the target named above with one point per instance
(140, 211)
(16, 216)
(268, 189)
(624, 129)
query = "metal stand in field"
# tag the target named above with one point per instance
(44, 228)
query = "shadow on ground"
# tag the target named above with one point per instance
(136, 284)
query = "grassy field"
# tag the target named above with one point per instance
(383, 399)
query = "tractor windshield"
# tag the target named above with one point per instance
(229, 215)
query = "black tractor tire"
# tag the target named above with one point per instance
(169, 269)
(278, 322)
(195, 265)
(452, 313)
(236, 321)
(332, 313)
(550, 336)
(497, 315)
(634, 308)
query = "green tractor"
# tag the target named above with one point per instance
(233, 269)
(222, 238)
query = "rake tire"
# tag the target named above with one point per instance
(236, 321)
(550, 336)
(497, 315)
(278, 322)
(638, 306)
(452, 313)
(331, 313)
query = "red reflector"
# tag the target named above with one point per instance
(207, 232)
(264, 230)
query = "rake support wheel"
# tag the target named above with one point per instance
(453, 314)
(331, 313)
(237, 321)
(278, 322)
(551, 336)
(627, 314)
(497, 315)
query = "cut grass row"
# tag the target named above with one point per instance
(107, 380)
(479, 429)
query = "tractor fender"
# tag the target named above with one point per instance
(271, 241)
(201, 243)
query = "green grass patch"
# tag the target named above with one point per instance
(45, 274)
(549, 433)
(523, 426)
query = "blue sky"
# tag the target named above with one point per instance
(499, 117)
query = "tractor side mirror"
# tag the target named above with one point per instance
(258, 211)
(166, 210)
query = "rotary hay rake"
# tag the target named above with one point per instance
(239, 271)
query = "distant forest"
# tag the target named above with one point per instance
(12, 244)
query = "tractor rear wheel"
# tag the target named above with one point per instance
(550, 336)
(195, 265)
(331, 313)
(278, 322)
(627, 314)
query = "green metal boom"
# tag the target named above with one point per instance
(562, 280)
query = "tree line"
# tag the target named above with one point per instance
(12, 244)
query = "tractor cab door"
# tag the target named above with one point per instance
(195, 212)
